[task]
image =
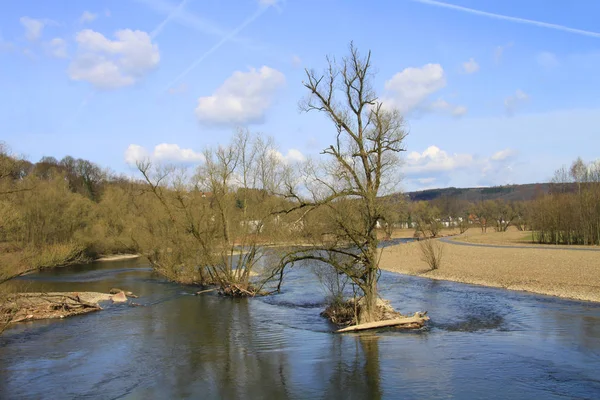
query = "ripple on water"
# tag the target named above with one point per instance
(91, 276)
(482, 343)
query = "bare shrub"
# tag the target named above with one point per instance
(463, 225)
(8, 309)
(333, 283)
(341, 313)
(432, 252)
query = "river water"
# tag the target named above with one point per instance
(481, 343)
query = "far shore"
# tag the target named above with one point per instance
(561, 272)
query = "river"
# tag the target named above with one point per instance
(481, 343)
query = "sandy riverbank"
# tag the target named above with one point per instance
(558, 272)
(117, 257)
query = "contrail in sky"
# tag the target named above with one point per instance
(153, 35)
(220, 43)
(518, 20)
(173, 13)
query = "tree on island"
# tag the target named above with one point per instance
(361, 166)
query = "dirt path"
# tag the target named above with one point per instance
(453, 240)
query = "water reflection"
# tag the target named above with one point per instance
(483, 343)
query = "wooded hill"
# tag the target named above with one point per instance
(523, 192)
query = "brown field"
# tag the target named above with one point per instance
(562, 272)
(409, 233)
(511, 237)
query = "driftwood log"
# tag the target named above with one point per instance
(206, 291)
(416, 321)
(236, 291)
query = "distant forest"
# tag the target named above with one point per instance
(523, 192)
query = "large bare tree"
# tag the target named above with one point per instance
(361, 165)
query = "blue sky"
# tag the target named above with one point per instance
(494, 92)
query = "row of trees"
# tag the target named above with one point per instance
(52, 214)
(430, 217)
(570, 213)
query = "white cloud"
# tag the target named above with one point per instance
(87, 17)
(499, 51)
(511, 103)
(243, 98)
(435, 167)
(459, 111)
(425, 181)
(442, 105)
(164, 152)
(433, 159)
(57, 47)
(33, 28)
(547, 59)
(135, 153)
(503, 154)
(110, 64)
(470, 67)
(292, 156)
(410, 88)
(296, 61)
(172, 152)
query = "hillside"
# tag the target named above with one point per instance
(509, 193)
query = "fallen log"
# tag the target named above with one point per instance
(126, 292)
(244, 291)
(206, 291)
(416, 321)
(233, 290)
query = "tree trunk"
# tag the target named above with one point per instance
(368, 312)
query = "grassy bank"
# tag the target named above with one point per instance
(16, 260)
(560, 272)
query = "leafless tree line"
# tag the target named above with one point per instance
(570, 213)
